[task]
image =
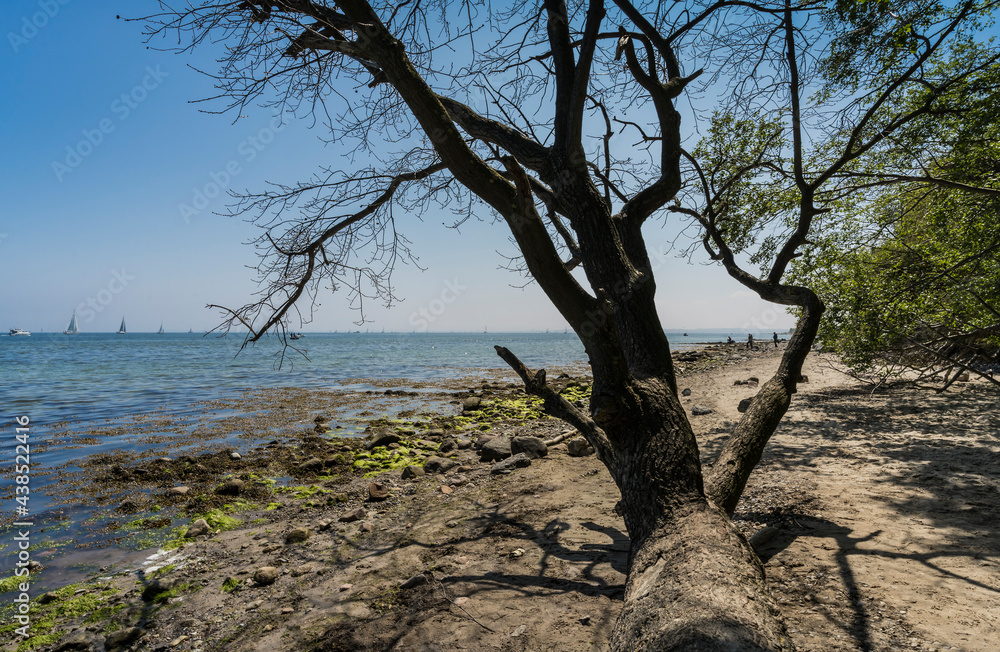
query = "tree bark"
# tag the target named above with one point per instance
(728, 476)
(695, 585)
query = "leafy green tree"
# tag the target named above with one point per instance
(910, 274)
(535, 121)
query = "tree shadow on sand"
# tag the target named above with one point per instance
(565, 558)
(932, 460)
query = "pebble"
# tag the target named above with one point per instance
(299, 571)
(412, 472)
(435, 464)
(231, 487)
(384, 439)
(518, 461)
(414, 581)
(377, 491)
(533, 447)
(197, 528)
(311, 465)
(265, 575)
(494, 450)
(122, 637)
(354, 515)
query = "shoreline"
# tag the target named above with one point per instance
(533, 559)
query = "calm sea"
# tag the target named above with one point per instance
(97, 376)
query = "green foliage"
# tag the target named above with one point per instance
(910, 271)
(913, 282)
(742, 160)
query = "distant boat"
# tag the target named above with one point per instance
(72, 329)
(160, 332)
(296, 336)
(121, 329)
(190, 330)
(19, 331)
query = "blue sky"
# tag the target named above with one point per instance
(103, 144)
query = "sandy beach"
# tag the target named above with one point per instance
(875, 513)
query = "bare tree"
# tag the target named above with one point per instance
(563, 121)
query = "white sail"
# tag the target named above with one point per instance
(72, 329)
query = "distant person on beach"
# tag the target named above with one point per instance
(729, 339)
(775, 340)
(750, 341)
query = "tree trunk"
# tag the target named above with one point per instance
(728, 476)
(694, 583)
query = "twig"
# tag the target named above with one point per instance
(471, 617)
(561, 437)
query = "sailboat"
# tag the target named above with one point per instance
(72, 329)
(121, 329)
(160, 332)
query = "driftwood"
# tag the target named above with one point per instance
(561, 437)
